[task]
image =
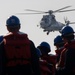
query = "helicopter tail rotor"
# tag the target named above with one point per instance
(67, 22)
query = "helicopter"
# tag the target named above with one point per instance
(48, 22)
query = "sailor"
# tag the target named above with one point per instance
(59, 44)
(19, 52)
(44, 65)
(67, 34)
(50, 58)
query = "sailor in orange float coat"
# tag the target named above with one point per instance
(68, 53)
(44, 65)
(59, 44)
(50, 58)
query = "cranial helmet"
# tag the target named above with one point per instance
(13, 21)
(1, 39)
(38, 52)
(66, 30)
(44, 47)
(58, 40)
(45, 44)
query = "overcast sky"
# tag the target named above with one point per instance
(29, 22)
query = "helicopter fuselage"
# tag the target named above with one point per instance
(54, 27)
(49, 23)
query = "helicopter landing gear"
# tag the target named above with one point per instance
(44, 30)
(47, 33)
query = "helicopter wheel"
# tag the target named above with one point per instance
(47, 33)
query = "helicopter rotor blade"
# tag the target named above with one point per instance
(47, 12)
(43, 12)
(72, 23)
(67, 10)
(29, 13)
(34, 10)
(62, 8)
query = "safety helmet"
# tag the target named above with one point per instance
(45, 44)
(44, 48)
(66, 30)
(38, 52)
(13, 21)
(58, 40)
(1, 39)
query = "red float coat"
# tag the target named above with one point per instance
(51, 59)
(44, 67)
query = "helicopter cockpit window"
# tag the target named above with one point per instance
(45, 19)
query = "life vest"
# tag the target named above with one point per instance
(44, 67)
(71, 44)
(58, 53)
(17, 49)
(51, 59)
(61, 62)
(67, 46)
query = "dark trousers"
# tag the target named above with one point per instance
(19, 70)
(64, 72)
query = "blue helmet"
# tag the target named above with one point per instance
(1, 39)
(13, 21)
(45, 44)
(66, 30)
(38, 52)
(58, 40)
